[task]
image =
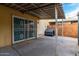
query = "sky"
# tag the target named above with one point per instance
(71, 10)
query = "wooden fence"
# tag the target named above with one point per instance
(69, 29)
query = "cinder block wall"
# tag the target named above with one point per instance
(6, 14)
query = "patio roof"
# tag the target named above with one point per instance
(41, 10)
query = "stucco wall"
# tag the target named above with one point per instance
(6, 22)
(41, 26)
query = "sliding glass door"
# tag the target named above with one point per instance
(23, 29)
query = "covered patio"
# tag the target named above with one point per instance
(28, 44)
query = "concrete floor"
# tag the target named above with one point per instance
(43, 46)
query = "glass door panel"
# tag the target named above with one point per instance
(31, 29)
(18, 29)
(26, 28)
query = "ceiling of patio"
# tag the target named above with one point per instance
(41, 10)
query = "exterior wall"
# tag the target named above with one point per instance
(41, 26)
(6, 24)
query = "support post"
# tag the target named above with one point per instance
(56, 31)
(56, 16)
(62, 27)
(78, 28)
(77, 47)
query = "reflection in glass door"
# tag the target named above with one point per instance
(31, 29)
(26, 28)
(18, 29)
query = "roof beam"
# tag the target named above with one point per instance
(58, 7)
(24, 4)
(34, 14)
(41, 10)
(40, 7)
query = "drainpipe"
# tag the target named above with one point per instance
(56, 31)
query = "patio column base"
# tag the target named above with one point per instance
(77, 51)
